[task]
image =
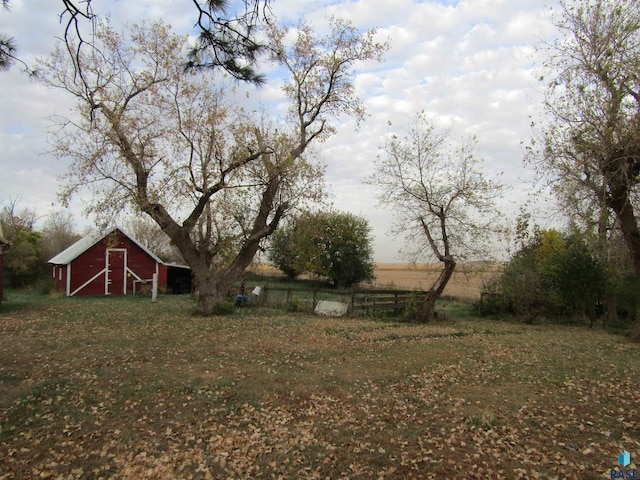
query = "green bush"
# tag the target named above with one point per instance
(223, 308)
(552, 276)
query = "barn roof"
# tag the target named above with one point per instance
(74, 251)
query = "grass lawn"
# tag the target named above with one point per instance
(126, 388)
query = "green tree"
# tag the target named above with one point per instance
(443, 203)
(555, 276)
(580, 278)
(159, 139)
(23, 262)
(590, 150)
(527, 279)
(284, 249)
(336, 245)
(345, 249)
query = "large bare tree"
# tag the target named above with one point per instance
(152, 136)
(590, 149)
(442, 202)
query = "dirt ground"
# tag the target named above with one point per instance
(467, 281)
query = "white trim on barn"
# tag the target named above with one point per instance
(108, 281)
(69, 279)
(85, 283)
(82, 245)
(109, 256)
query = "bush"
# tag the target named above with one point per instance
(553, 276)
(223, 308)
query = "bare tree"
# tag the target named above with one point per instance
(58, 233)
(149, 234)
(160, 139)
(590, 149)
(442, 202)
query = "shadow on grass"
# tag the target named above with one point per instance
(22, 300)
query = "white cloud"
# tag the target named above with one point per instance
(468, 64)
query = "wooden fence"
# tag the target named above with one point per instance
(370, 301)
(361, 302)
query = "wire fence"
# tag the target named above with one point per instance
(360, 302)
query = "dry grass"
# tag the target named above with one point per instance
(467, 281)
(123, 388)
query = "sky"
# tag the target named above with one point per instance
(470, 65)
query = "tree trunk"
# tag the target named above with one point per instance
(611, 309)
(427, 311)
(213, 287)
(635, 331)
(207, 293)
(207, 303)
(621, 205)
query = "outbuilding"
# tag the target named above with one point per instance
(114, 263)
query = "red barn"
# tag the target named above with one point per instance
(113, 263)
(4, 245)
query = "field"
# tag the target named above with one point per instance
(125, 388)
(466, 283)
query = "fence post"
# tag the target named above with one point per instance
(154, 287)
(353, 300)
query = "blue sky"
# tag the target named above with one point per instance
(469, 64)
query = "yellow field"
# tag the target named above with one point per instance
(466, 283)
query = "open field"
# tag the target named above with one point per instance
(466, 283)
(125, 388)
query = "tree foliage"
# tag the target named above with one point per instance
(330, 244)
(284, 248)
(590, 150)
(442, 201)
(24, 260)
(225, 40)
(153, 137)
(32, 246)
(555, 276)
(8, 49)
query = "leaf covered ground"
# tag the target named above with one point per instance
(125, 388)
